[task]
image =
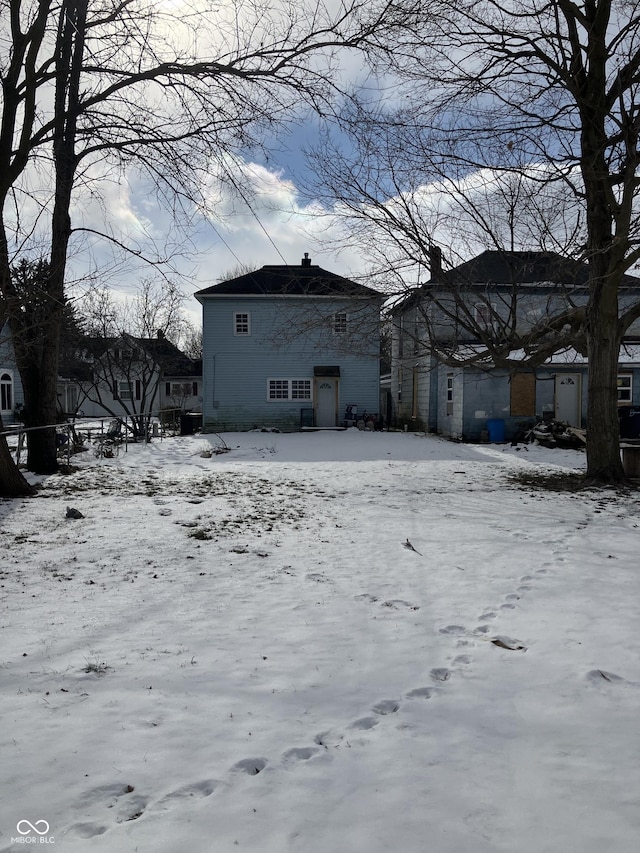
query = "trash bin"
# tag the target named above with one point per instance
(629, 422)
(495, 428)
(186, 425)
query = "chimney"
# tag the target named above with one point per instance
(435, 261)
(306, 261)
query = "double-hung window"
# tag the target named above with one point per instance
(625, 387)
(241, 323)
(340, 323)
(484, 314)
(125, 390)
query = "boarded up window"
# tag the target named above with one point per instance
(523, 395)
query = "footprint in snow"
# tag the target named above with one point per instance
(399, 603)
(453, 629)
(250, 766)
(196, 789)
(386, 706)
(105, 794)
(421, 693)
(299, 753)
(364, 724)
(601, 678)
(440, 674)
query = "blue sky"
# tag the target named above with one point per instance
(277, 225)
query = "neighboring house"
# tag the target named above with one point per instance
(11, 396)
(442, 381)
(289, 346)
(127, 377)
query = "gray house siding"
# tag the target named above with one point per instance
(288, 339)
(492, 295)
(12, 396)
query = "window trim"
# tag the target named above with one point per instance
(289, 380)
(450, 388)
(240, 324)
(484, 314)
(628, 389)
(340, 323)
(129, 390)
(6, 383)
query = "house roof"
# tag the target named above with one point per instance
(498, 267)
(76, 363)
(172, 360)
(305, 279)
(504, 269)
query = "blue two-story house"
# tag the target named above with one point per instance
(286, 347)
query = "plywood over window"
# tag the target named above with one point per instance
(523, 395)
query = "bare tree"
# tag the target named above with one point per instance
(191, 341)
(495, 92)
(90, 89)
(130, 343)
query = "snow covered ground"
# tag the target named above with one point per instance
(319, 643)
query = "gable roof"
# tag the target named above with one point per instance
(306, 279)
(74, 364)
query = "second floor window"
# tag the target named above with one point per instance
(340, 323)
(484, 314)
(241, 323)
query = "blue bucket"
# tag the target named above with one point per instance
(495, 428)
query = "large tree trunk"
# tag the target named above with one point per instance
(40, 385)
(604, 465)
(12, 483)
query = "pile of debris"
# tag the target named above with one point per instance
(555, 434)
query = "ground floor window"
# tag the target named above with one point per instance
(288, 389)
(449, 393)
(625, 387)
(125, 391)
(6, 392)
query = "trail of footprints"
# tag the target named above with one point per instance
(125, 804)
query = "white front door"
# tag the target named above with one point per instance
(568, 398)
(326, 401)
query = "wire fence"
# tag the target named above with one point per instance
(105, 434)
